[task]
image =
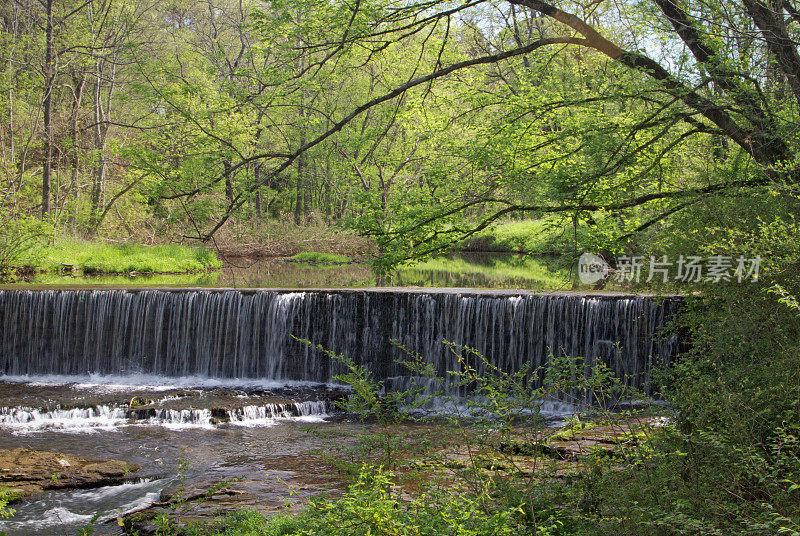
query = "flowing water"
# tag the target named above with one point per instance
(274, 335)
(225, 383)
(196, 435)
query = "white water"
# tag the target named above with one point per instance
(154, 382)
(269, 415)
(258, 336)
(23, 420)
(55, 512)
(184, 418)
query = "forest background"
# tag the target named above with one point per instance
(652, 127)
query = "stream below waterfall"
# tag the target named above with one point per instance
(200, 386)
(269, 439)
(195, 436)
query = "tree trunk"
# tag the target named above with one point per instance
(227, 173)
(328, 201)
(257, 196)
(100, 130)
(11, 103)
(310, 188)
(298, 205)
(48, 102)
(299, 208)
(76, 106)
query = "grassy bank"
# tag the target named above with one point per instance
(134, 279)
(547, 236)
(73, 254)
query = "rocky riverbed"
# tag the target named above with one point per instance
(130, 453)
(258, 443)
(26, 473)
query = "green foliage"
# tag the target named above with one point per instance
(729, 465)
(370, 507)
(249, 523)
(19, 240)
(542, 236)
(6, 496)
(696, 483)
(370, 403)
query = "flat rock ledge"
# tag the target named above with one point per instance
(29, 472)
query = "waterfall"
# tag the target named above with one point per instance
(260, 334)
(23, 420)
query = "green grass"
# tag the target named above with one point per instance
(249, 523)
(543, 236)
(202, 279)
(100, 257)
(315, 257)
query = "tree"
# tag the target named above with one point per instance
(52, 23)
(693, 84)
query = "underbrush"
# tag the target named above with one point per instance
(370, 507)
(685, 472)
(283, 238)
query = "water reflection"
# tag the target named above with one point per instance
(500, 271)
(474, 270)
(277, 273)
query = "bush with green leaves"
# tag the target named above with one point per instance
(19, 238)
(729, 466)
(376, 443)
(7, 496)
(369, 507)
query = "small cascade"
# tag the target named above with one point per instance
(181, 418)
(260, 415)
(23, 419)
(105, 417)
(259, 335)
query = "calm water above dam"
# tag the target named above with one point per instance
(474, 270)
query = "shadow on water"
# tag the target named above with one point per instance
(472, 270)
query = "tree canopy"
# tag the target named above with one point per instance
(417, 123)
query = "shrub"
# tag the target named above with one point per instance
(19, 237)
(370, 507)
